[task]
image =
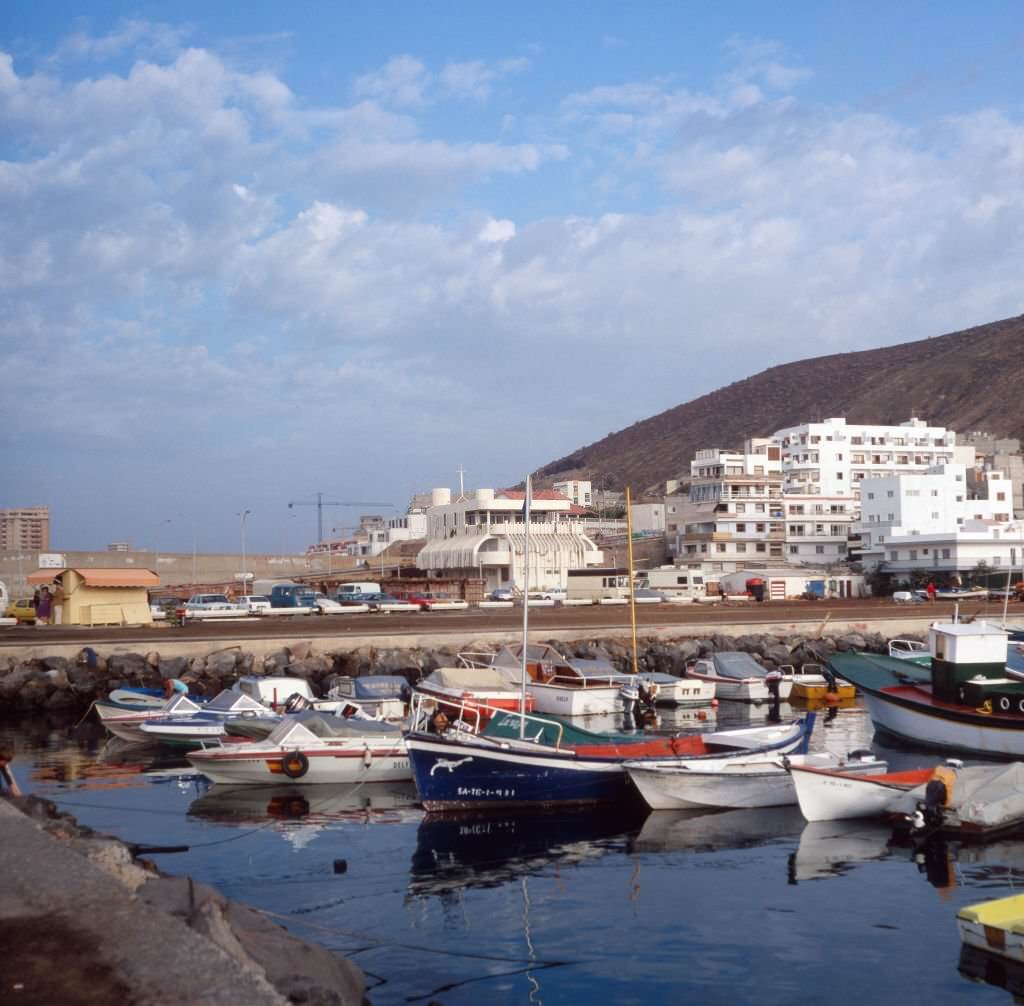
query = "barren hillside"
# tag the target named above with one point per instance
(969, 380)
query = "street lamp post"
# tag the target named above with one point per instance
(245, 581)
(156, 561)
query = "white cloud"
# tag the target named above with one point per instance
(474, 79)
(497, 231)
(190, 240)
(401, 81)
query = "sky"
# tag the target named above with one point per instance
(251, 253)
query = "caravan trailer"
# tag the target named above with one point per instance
(678, 581)
(597, 583)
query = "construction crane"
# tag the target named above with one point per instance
(320, 503)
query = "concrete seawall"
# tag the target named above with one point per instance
(169, 644)
(84, 921)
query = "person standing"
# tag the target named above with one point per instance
(58, 604)
(931, 590)
(44, 607)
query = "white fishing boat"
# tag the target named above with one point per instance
(735, 781)
(558, 687)
(126, 723)
(311, 747)
(477, 687)
(738, 676)
(826, 795)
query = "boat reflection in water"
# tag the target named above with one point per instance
(300, 813)
(455, 851)
(708, 831)
(992, 969)
(117, 765)
(833, 848)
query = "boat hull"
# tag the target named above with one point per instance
(946, 730)
(767, 788)
(733, 782)
(834, 796)
(563, 700)
(995, 926)
(736, 689)
(464, 776)
(338, 764)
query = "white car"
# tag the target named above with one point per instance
(325, 606)
(209, 602)
(255, 604)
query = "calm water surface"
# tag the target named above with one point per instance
(618, 907)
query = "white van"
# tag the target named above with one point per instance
(357, 588)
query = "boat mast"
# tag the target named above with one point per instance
(527, 502)
(632, 588)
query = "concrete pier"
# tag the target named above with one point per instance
(82, 921)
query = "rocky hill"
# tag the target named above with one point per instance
(969, 380)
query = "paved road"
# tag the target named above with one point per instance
(596, 619)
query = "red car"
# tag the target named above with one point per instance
(424, 598)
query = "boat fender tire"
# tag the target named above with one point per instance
(295, 765)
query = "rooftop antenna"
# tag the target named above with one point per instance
(462, 488)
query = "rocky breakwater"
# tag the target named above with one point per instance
(62, 685)
(120, 931)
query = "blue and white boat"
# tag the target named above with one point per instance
(536, 765)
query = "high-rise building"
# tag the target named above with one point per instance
(25, 527)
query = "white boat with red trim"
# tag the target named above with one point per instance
(311, 747)
(738, 781)
(827, 795)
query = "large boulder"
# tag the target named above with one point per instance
(173, 667)
(222, 664)
(851, 641)
(130, 666)
(778, 654)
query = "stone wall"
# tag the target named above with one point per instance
(71, 684)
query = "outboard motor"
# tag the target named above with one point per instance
(929, 814)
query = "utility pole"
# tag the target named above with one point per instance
(320, 503)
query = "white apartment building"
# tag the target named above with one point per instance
(483, 534)
(734, 513)
(373, 539)
(579, 491)
(832, 458)
(932, 522)
(818, 528)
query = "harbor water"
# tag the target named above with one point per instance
(617, 906)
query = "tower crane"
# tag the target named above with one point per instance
(320, 503)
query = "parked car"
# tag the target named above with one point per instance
(22, 610)
(324, 605)
(382, 602)
(292, 595)
(501, 594)
(209, 602)
(255, 604)
(424, 599)
(162, 607)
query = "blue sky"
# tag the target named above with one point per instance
(248, 255)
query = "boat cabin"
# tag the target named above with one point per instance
(969, 662)
(274, 691)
